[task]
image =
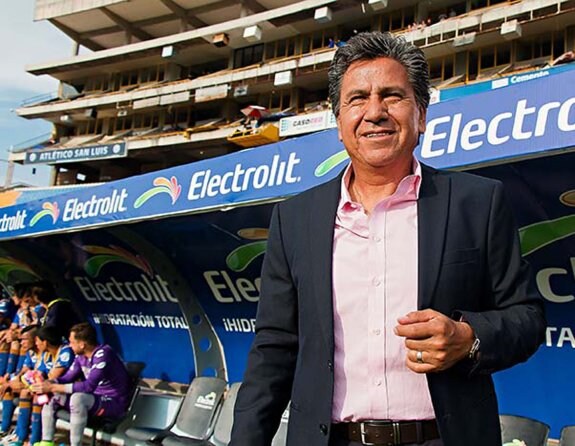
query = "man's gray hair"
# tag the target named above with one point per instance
(371, 45)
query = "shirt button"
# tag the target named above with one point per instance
(323, 429)
(330, 365)
(376, 239)
(376, 331)
(377, 382)
(376, 281)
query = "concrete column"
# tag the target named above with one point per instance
(421, 12)
(9, 174)
(244, 10)
(570, 38)
(460, 66)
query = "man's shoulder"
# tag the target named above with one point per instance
(104, 352)
(461, 180)
(309, 198)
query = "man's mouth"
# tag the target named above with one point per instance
(378, 134)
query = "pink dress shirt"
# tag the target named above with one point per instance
(374, 283)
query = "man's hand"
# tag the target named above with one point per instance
(43, 387)
(442, 341)
(16, 384)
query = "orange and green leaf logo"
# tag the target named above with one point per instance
(103, 255)
(48, 209)
(240, 258)
(9, 265)
(538, 235)
(331, 163)
(162, 186)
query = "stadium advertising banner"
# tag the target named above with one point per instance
(546, 216)
(222, 264)
(492, 126)
(130, 302)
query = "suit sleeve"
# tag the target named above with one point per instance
(267, 383)
(513, 327)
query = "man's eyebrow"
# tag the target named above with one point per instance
(382, 91)
(355, 91)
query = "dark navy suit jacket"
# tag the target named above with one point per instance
(469, 265)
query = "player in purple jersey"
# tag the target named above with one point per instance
(103, 390)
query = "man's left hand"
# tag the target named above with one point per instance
(441, 341)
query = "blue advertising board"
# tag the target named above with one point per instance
(545, 210)
(522, 120)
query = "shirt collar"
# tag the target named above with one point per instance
(407, 190)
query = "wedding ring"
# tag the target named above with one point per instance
(419, 357)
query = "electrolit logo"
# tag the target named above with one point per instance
(331, 163)
(538, 235)
(149, 288)
(209, 184)
(162, 186)
(227, 289)
(48, 210)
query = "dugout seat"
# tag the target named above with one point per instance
(528, 430)
(567, 436)
(196, 418)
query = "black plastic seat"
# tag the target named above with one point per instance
(528, 430)
(567, 436)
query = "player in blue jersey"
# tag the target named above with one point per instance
(11, 385)
(97, 384)
(54, 359)
(8, 333)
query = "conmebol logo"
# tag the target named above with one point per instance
(48, 209)
(163, 186)
(103, 256)
(9, 265)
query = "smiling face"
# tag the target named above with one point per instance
(379, 121)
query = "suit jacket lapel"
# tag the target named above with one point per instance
(322, 221)
(432, 216)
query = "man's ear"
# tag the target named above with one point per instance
(421, 125)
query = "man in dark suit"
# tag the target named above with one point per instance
(390, 294)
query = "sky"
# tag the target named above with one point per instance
(25, 42)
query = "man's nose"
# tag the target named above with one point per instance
(376, 109)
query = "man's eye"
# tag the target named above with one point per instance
(393, 99)
(355, 99)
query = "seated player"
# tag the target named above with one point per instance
(11, 385)
(103, 389)
(54, 360)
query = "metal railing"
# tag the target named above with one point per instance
(29, 143)
(38, 99)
